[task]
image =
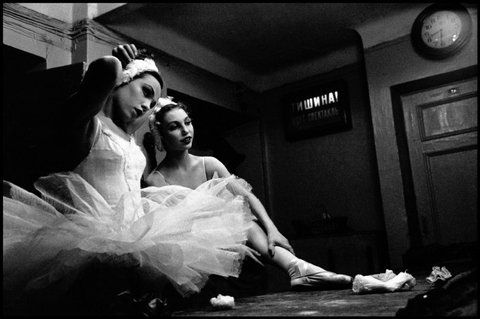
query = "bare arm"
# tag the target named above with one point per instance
(275, 238)
(97, 85)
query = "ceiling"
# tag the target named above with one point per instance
(261, 37)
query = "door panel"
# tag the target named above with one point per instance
(454, 194)
(441, 130)
(448, 119)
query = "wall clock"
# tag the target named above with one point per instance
(441, 30)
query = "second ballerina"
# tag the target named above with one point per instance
(204, 179)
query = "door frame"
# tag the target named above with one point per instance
(402, 143)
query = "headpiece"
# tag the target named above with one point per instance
(137, 67)
(161, 102)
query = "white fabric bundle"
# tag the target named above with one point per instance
(222, 302)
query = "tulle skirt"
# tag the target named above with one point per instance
(183, 234)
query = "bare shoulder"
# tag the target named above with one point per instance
(198, 159)
(213, 165)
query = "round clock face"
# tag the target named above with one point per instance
(441, 29)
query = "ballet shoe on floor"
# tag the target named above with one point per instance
(386, 276)
(370, 284)
(402, 281)
(305, 276)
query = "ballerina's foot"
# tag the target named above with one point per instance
(305, 276)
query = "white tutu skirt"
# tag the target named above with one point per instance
(183, 234)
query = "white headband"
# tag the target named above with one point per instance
(136, 67)
(161, 102)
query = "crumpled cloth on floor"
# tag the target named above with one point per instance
(455, 297)
(438, 274)
(383, 282)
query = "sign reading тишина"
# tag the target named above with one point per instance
(318, 110)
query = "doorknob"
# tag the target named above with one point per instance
(452, 91)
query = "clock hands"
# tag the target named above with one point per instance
(440, 39)
(436, 33)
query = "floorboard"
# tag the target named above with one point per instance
(315, 303)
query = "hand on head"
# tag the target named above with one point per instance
(136, 62)
(125, 53)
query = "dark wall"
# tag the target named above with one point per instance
(334, 173)
(31, 100)
(16, 90)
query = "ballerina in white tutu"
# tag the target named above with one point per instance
(181, 172)
(96, 212)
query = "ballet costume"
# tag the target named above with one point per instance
(98, 213)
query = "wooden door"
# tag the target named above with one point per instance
(441, 132)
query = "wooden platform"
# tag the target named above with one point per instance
(315, 303)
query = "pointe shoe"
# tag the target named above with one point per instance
(386, 276)
(303, 276)
(402, 281)
(370, 284)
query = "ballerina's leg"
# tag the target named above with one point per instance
(301, 273)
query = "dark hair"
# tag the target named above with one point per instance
(144, 53)
(157, 76)
(167, 108)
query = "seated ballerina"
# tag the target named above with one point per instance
(93, 212)
(181, 171)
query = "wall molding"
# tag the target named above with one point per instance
(98, 32)
(36, 26)
(40, 27)
(383, 45)
(34, 19)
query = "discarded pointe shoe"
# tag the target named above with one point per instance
(369, 284)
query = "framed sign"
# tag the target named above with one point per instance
(318, 110)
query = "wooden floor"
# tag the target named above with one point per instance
(316, 303)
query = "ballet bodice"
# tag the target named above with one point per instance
(115, 163)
